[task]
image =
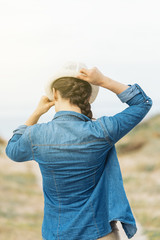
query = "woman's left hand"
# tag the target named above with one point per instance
(44, 105)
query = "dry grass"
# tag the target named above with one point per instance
(141, 170)
(21, 202)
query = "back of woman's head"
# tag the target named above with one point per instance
(76, 91)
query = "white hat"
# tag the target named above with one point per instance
(70, 69)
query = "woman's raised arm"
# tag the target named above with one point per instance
(95, 77)
(115, 127)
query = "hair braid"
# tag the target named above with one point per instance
(77, 91)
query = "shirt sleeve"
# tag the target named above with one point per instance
(19, 147)
(115, 127)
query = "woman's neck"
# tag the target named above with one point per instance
(66, 106)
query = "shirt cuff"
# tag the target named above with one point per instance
(129, 93)
(20, 130)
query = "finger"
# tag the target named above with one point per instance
(51, 103)
(44, 97)
(82, 77)
(84, 71)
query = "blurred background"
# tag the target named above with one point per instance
(122, 39)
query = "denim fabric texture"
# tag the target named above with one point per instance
(82, 182)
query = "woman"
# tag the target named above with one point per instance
(82, 183)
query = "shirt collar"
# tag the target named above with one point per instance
(70, 114)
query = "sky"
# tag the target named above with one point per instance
(120, 38)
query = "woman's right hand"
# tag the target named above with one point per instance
(93, 76)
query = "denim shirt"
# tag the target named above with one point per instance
(82, 182)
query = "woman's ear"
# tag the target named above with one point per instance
(54, 94)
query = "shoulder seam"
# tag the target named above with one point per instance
(106, 135)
